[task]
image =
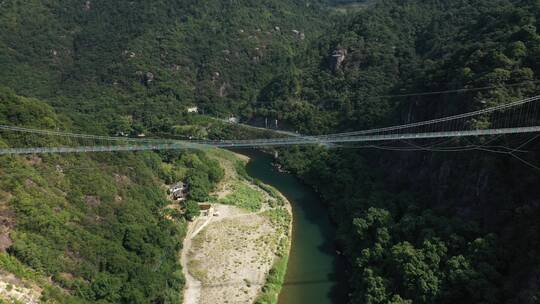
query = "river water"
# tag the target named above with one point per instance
(313, 263)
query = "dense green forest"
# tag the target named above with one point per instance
(425, 227)
(99, 226)
(413, 46)
(100, 60)
(417, 227)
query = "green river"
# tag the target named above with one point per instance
(313, 263)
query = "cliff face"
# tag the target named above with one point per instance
(478, 185)
(496, 192)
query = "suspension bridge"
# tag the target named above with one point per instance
(516, 117)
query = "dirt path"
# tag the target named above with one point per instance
(192, 289)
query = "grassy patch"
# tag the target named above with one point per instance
(224, 154)
(198, 270)
(240, 167)
(12, 265)
(278, 199)
(280, 218)
(10, 302)
(244, 196)
(51, 293)
(274, 282)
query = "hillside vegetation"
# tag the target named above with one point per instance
(99, 226)
(426, 227)
(418, 227)
(401, 47)
(99, 60)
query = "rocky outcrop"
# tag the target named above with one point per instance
(5, 239)
(129, 54)
(146, 78)
(216, 76)
(338, 57)
(6, 222)
(16, 290)
(299, 35)
(92, 201)
(473, 185)
(223, 89)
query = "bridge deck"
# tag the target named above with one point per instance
(266, 142)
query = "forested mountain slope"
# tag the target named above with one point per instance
(92, 228)
(97, 228)
(423, 226)
(417, 227)
(398, 47)
(147, 59)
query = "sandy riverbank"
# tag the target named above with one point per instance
(226, 259)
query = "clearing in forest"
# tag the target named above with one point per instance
(227, 258)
